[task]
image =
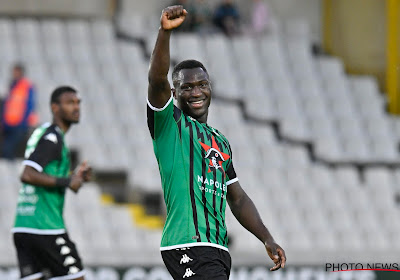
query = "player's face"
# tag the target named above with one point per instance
(70, 107)
(17, 74)
(193, 93)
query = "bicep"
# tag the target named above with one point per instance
(235, 194)
(32, 176)
(45, 152)
(159, 92)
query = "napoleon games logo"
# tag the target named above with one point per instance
(215, 156)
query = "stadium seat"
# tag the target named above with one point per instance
(325, 204)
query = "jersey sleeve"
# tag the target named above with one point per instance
(49, 148)
(161, 121)
(230, 172)
(231, 175)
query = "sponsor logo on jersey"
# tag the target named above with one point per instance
(214, 155)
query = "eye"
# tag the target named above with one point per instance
(204, 85)
(186, 88)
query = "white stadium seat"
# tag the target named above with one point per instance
(314, 199)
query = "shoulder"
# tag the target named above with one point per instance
(219, 133)
(52, 134)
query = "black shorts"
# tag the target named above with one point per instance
(49, 256)
(203, 262)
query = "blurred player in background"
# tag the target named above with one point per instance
(42, 243)
(197, 173)
(18, 112)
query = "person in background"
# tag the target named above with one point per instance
(18, 112)
(44, 249)
(227, 17)
(201, 17)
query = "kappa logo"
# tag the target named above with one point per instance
(65, 250)
(73, 270)
(51, 137)
(215, 156)
(185, 259)
(60, 241)
(69, 260)
(188, 273)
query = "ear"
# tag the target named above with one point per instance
(54, 108)
(173, 92)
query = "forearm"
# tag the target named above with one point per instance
(33, 177)
(246, 213)
(160, 58)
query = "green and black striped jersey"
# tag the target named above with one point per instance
(195, 163)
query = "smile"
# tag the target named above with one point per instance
(196, 104)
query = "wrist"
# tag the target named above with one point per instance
(63, 182)
(269, 240)
(168, 31)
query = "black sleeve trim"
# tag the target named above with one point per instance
(231, 172)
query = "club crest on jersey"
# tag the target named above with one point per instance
(215, 156)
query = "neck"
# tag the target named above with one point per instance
(64, 126)
(203, 118)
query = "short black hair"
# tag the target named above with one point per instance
(19, 66)
(55, 96)
(186, 64)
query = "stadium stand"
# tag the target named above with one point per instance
(281, 100)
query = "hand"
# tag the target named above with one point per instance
(76, 183)
(172, 17)
(84, 171)
(277, 255)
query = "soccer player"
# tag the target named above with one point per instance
(195, 163)
(41, 240)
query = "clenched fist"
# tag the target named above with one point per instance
(172, 17)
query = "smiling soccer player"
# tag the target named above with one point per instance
(195, 163)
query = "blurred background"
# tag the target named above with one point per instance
(307, 92)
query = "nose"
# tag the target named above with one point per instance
(196, 91)
(77, 106)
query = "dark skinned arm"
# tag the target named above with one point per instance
(246, 213)
(159, 91)
(33, 177)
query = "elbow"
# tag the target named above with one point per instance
(25, 177)
(155, 82)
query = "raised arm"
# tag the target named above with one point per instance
(159, 89)
(246, 213)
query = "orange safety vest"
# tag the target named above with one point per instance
(15, 106)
